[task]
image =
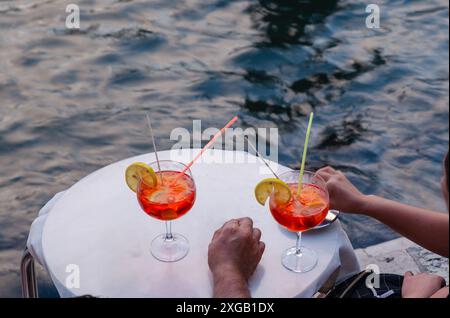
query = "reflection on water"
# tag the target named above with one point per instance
(72, 102)
(284, 22)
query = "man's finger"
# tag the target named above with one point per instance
(257, 234)
(227, 223)
(246, 222)
(261, 247)
(231, 226)
(216, 233)
(231, 222)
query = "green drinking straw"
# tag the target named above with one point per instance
(305, 150)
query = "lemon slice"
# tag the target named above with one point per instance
(137, 171)
(314, 204)
(265, 188)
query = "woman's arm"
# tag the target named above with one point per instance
(427, 228)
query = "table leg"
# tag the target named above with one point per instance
(28, 276)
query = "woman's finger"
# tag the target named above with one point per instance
(328, 169)
(409, 274)
(324, 175)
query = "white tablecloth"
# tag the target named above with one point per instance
(98, 226)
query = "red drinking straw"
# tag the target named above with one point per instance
(213, 139)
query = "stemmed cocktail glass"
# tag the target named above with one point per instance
(302, 212)
(172, 197)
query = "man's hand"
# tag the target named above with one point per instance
(234, 252)
(344, 196)
(421, 286)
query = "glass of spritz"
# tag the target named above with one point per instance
(302, 212)
(172, 197)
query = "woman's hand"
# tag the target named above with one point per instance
(422, 285)
(441, 293)
(344, 196)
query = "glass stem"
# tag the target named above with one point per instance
(298, 247)
(169, 235)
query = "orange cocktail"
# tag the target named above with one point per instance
(303, 211)
(165, 191)
(170, 199)
(297, 211)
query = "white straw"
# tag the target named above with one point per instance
(154, 146)
(261, 157)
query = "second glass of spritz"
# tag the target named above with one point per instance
(172, 197)
(302, 212)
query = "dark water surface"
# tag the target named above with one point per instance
(72, 102)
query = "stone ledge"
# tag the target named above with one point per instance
(401, 255)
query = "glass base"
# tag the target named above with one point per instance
(169, 250)
(299, 263)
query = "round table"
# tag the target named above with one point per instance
(97, 235)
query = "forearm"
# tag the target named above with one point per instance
(230, 285)
(427, 228)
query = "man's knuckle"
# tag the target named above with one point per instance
(230, 228)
